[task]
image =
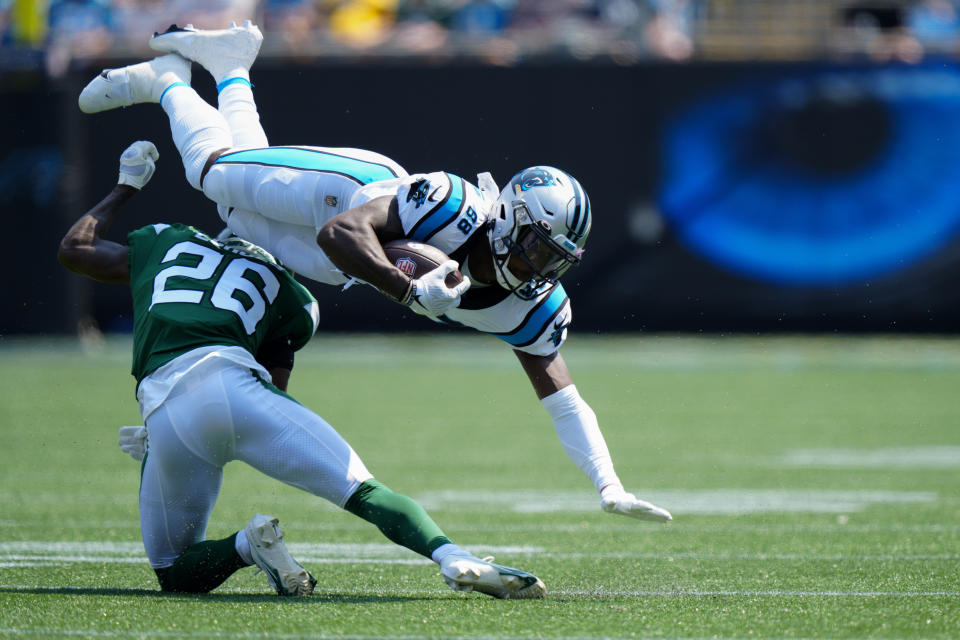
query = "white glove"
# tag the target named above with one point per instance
(613, 499)
(138, 163)
(133, 440)
(430, 296)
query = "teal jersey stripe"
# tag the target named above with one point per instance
(535, 323)
(361, 171)
(445, 213)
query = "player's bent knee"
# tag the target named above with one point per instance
(206, 168)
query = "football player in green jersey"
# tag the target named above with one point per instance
(216, 324)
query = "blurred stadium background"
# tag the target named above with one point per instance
(754, 165)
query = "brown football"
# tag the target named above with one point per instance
(416, 259)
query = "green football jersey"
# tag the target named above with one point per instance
(189, 292)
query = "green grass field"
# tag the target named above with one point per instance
(814, 482)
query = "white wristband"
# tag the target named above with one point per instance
(576, 426)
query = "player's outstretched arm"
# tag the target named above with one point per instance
(579, 432)
(83, 249)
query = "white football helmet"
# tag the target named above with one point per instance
(542, 218)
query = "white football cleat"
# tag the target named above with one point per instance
(468, 573)
(219, 51)
(138, 83)
(270, 554)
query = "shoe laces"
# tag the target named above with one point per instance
(269, 577)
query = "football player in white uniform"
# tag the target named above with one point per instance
(512, 246)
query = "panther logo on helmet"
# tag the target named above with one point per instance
(535, 177)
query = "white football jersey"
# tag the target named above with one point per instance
(444, 210)
(537, 326)
(441, 209)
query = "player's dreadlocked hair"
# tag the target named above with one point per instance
(237, 244)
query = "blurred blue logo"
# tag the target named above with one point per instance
(819, 177)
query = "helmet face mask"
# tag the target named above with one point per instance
(542, 219)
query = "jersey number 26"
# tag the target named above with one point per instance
(233, 279)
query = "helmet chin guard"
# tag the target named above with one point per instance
(541, 221)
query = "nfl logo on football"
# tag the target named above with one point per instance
(406, 265)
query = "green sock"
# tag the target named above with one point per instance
(202, 567)
(400, 518)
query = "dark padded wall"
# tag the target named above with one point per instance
(615, 128)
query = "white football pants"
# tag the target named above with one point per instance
(275, 197)
(280, 197)
(230, 414)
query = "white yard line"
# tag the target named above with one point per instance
(30, 553)
(679, 501)
(605, 524)
(922, 458)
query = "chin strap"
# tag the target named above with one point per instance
(491, 192)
